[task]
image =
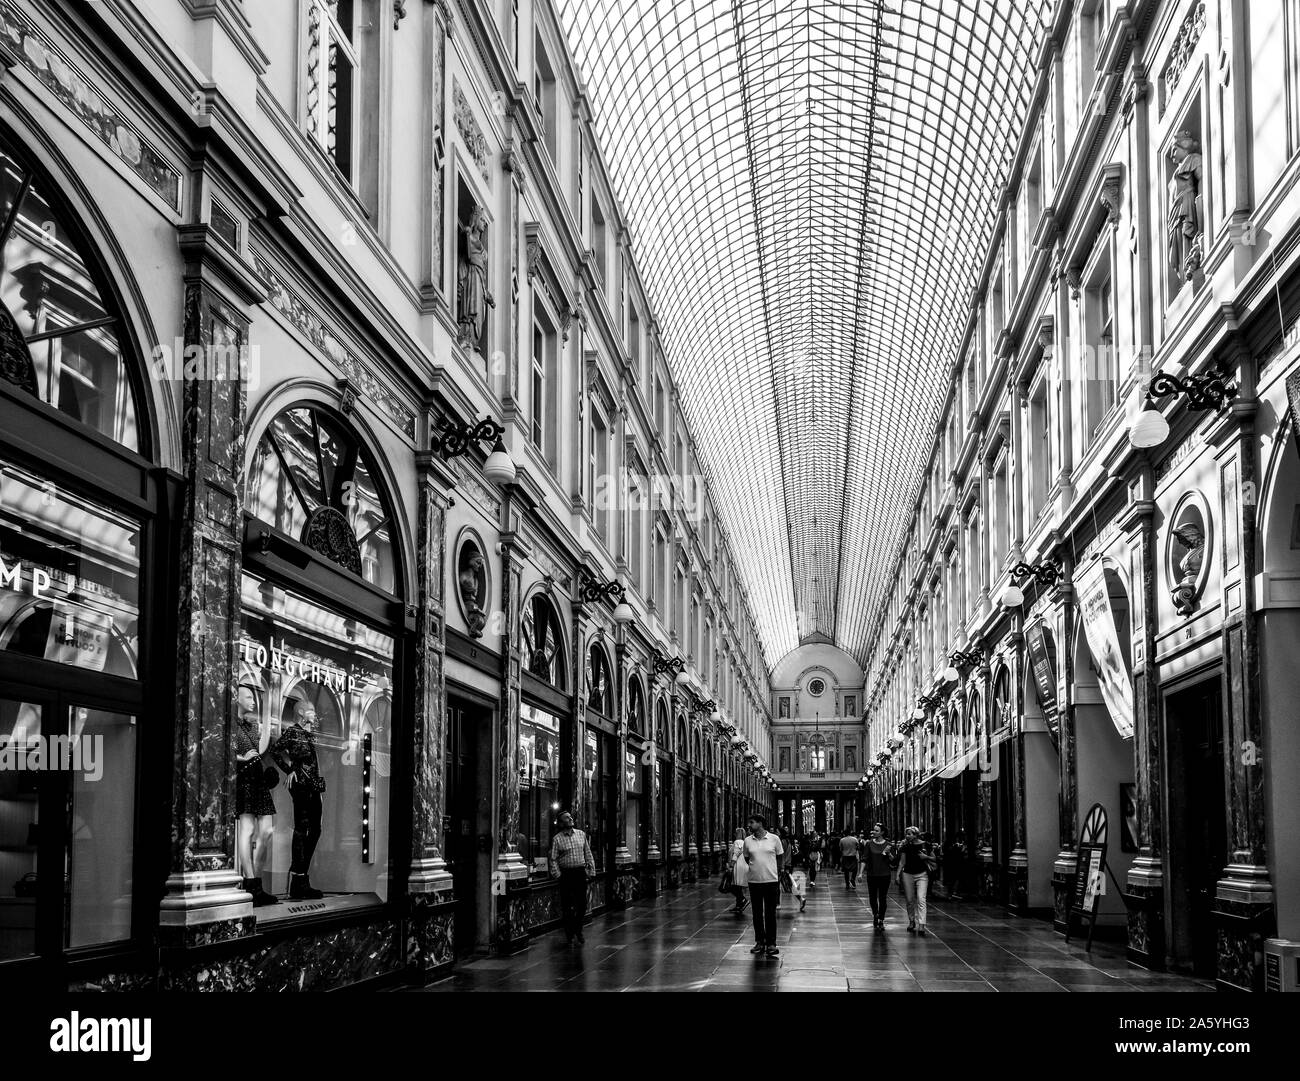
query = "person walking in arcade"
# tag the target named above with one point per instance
(572, 863)
(762, 852)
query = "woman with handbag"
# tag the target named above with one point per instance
(738, 872)
(916, 863)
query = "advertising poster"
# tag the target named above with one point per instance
(1103, 642)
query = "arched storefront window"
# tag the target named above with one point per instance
(318, 649)
(635, 707)
(543, 642)
(600, 687)
(82, 549)
(542, 718)
(59, 332)
(601, 759)
(312, 481)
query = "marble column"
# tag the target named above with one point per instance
(510, 877)
(430, 943)
(1244, 900)
(1145, 878)
(204, 899)
(1018, 860)
(1063, 866)
(623, 873)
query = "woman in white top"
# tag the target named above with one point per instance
(739, 872)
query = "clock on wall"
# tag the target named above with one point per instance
(817, 687)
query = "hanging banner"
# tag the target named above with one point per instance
(1103, 641)
(1042, 662)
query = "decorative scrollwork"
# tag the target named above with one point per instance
(1203, 391)
(16, 365)
(456, 439)
(330, 533)
(592, 589)
(1046, 573)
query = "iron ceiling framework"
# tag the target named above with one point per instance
(811, 188)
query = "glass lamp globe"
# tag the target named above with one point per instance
(498, 468)
(918, 714)
(1013, 596)
(1149, 430)
(950, 674)
(623, 612)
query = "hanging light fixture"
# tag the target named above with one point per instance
(456, 439)
(1045, 573)
(1204, 392)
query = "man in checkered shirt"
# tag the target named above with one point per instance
(572, 864)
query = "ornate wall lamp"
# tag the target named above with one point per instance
(1045, 573)
(1203, 392)
(958, 660)
(924, 704)
(674, 666)
(593, 590)
(456, 439)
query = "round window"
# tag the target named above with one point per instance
(816, 687)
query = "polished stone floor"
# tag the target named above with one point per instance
(689, 940)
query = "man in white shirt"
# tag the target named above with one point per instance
(763, 853)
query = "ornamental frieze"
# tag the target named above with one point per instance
(31, 49)
(471, 134)
(296, 310)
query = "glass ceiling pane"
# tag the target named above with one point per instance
(811, 187)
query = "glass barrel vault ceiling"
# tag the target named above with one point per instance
(810, 187)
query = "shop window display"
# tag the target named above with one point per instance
(69, 577)
(597, 813)
(539, 784)
(313, 744)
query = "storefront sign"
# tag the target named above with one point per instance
(1042, 663)
(11, 577)
(278, 659)
(1103, 641)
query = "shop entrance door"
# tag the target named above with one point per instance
(465, 721)
(1198, 839)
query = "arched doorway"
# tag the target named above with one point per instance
(83, 572)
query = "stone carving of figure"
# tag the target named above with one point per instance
(1186, 208)
(472, 577)
(1192, 537)
(472, 295)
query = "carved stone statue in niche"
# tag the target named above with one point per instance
(1186, 207)
(472, 295)
(1191, 537)
(472, 582)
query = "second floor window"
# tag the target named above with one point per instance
(332, 68)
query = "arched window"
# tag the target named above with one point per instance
(312, 481)
(543, 643)
(59, 331)
(661, 726)
(636, 707)
(84, 544)
(683, 747)
(600, 687)
(325, 644)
